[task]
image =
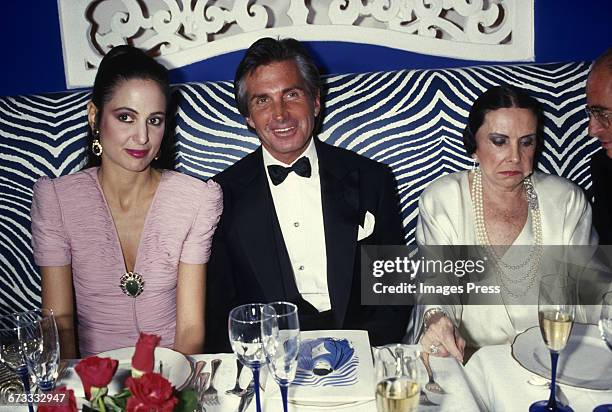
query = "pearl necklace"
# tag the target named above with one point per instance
(535, 253)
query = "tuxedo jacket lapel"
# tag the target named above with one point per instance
(340, 201)
(254, 226)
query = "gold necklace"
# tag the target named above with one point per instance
(482, 238)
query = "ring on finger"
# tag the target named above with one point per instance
(433, 349)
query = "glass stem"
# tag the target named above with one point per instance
(256, 383)
(284, 390)
(25, 379)
(552, 401)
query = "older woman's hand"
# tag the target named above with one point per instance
(443, 335)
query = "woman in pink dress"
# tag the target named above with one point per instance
(122, 243)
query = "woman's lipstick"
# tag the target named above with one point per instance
(139, 154)
(510, 173)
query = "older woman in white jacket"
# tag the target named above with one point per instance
(502, 202)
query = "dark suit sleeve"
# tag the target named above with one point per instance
(219, 285)
(385, 324)
(388, 229)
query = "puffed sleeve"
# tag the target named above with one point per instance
(429, 231)
(578, 228)
(50, 242)
(196, 249)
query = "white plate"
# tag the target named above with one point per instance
(177, 369)
(585, 362)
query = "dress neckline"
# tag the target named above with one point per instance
(94, 173)
(525, 235)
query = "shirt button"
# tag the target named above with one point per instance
(296, 224)
(301, 267)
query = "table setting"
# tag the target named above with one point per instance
(276, 367)
(576, 377)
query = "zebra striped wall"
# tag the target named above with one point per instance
(411, 120)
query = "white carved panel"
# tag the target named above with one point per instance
(182, 32)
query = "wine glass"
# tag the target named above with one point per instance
(244, 327)
(396, 377)
(605, 327)
(280, 332)
(605, 320)
(556, 312)
(40, 346)
(11, 354)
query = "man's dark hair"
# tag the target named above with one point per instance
(501, 97)
(266, 51)
(604, 61)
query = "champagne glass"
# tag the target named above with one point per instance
(280, 332)
(396, 373)
(605, 320)
(556, 312)
(244, 327)
(605, 327)
(40, 346)
(11, 354)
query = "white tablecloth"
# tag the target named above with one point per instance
(501, 384)
(447, 372)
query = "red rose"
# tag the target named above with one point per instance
(144, 355)
(96, 372)
(65, 403)
(150, 392)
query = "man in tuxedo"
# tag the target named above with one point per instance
(296, 210)
(599, 108)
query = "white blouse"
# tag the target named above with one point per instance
(446, 218)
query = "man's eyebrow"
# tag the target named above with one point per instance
(296, 87)
(285, 90)
(256, 96)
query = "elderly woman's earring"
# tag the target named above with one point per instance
(96, 147)
(474, 163)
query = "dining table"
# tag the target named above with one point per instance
(492, 380)
(501, 384)
(449, 374)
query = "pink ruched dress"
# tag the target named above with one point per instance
(72, 224)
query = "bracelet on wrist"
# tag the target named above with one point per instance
(429, 314)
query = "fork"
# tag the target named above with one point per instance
(236, 390)
(432, 385)
(199, 384)
(210, 397)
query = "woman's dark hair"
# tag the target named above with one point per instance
(266, 51)
(119, 65)
(501, 97)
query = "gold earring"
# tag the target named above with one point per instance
(96, 147)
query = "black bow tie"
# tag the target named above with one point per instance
(279, 173)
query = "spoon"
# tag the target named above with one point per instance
(432, 385)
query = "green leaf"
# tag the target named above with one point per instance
(187, 401)
(110, 403)
(120, 400)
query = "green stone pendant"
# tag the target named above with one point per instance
(132, 284)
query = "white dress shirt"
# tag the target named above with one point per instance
(298, 206)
